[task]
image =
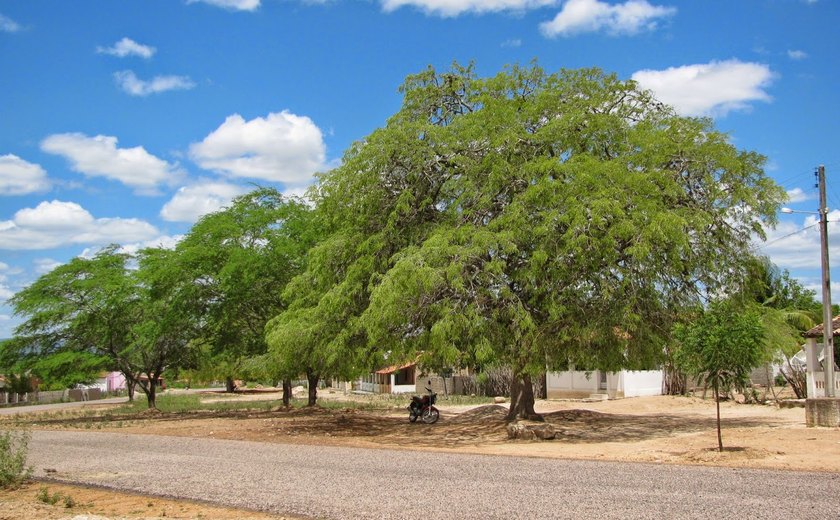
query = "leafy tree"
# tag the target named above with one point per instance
(235, 265)
(87, 305)
(101, 307)
(533, 219)
(721, 346)
(787, 310)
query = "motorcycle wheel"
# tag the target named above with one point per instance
(431, 415)
(412, 417)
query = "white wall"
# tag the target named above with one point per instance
(576, 384)
(642, 382)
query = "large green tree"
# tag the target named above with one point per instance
(235, 263)
(537, 219)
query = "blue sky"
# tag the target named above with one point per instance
(125, 121)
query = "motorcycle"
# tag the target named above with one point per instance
(424, 408)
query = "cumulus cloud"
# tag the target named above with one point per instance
(281, 147)
(128, 47)
(233, 5)
(797, 55)
(191, 202)
(798, 195)
(132, 85)
(448, 8)
(99, 156)
(58, 223)
(707, 89)
(8, 25)
(581, 16)
(19, 177)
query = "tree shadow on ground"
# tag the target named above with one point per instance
(481, 425)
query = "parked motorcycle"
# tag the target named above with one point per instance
(424, 407)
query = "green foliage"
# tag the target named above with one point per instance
(721, 346)
(526, 218)
(235, 264)
(13, 449)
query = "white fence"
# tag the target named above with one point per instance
(815, 383)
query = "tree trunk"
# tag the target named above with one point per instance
(313, 388)
(522, 400)
(717, 406)
(151, 396)
(130, 385)
(229, 386)
(287, 392)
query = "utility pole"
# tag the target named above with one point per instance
(828, 326)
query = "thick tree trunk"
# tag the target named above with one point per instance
(287, 392)
(313, 388)
(230, 387)
(522, 400)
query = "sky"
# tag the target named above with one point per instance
(124, 122)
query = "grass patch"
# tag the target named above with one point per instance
(13, 469)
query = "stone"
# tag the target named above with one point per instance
(499, 400)
(822, 411)
(531, 431)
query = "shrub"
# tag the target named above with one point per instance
(13, 469)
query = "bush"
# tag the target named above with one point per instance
(13, 469)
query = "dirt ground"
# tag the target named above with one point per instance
(662, 429)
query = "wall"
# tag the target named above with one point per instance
(642, 382)
(580, 385)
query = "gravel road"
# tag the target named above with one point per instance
(337, 482)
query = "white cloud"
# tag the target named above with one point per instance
(233, 5)
(19, 177)
(798, 195)
(45, 265)
(8, 25)
(281, 147)
(714, 88)
(581, 16)
(191, 202)
(797, 55)
(448, 8)
(162, 242)
(797, 245)
(99, 156)
(512, 42)
(128, 47)
(58, 223)
(131, 84)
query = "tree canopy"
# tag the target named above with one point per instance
(526, 218)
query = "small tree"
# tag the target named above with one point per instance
(721, 347)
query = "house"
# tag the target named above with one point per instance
(602, 384)
(396, 379)
(815, 360)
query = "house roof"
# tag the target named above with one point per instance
(395, 368)
(817, 332)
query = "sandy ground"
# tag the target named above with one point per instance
(663, 429)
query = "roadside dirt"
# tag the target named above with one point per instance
(663, 429)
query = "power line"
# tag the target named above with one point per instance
(762, 246)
